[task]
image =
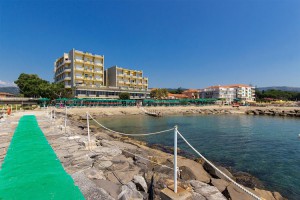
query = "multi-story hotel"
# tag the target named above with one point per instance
(84, 72)
(230, 93)
(126, 78)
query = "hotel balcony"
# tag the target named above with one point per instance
(98, 64)
(98, 72)
(79, 77)
(120, 81)
(79, 69)
(67, 86)
(67, 78)
(88, 62)
(67, 70)
(98, 79)
(120, 75)
(79, 61)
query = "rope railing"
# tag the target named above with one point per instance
(211, 164)
(175, 154)
(127, 134)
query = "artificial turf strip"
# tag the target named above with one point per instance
(31, 169)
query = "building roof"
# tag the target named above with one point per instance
(190, 90)
(230, 86)
(179, 96)
(5, 93)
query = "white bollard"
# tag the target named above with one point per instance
(88, 127)
(175, 159)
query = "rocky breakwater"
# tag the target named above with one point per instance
(290, 112)
(115, 167)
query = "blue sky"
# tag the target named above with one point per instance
(191, 44)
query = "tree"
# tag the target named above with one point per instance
(159, 93)
(124, 95)
(31, 85)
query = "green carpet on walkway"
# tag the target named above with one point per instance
(31, 169)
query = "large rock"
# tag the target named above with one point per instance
(216, 173)
(107, 151)
(209, 192)
(195, 168)
(140, 183)
(219, 183)
(113, 189)
(129, 192)
(89, 189)
(267, 195)
(236, 193)
(94, 174)
(278, 196)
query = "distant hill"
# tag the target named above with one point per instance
(11, 90)
(282, 88)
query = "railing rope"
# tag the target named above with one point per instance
(226, 176)
(176, 132)
(143, 134)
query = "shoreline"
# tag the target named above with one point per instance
(243, 178)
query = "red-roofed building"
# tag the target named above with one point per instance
(5, 95)
(191, 93)
(245, 93)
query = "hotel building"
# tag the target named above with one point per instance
(230, 93)
(84, 73)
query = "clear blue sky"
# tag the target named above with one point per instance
(191, 44)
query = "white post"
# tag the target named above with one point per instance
(88, 127)
(65, 119)
(175, 159)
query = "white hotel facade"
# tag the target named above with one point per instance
(245, 93)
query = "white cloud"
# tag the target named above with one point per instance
(6, 84)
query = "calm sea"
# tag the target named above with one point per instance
(266, 147)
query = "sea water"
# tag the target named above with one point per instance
(266, 147)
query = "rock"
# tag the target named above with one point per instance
(104, 164)
(129, 192)
(89, 189)
(196, 168)
(140, 183)
(267, 195)
(107, 151)
(209, 192)
(197, 196)
(186, 173)
(248, 180)
(94, 174)
(236, 193)
(215, 173)
(113, 189)
(219, 183)
(278, 196)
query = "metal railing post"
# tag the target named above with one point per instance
(88, 127)
(175, 159)
(65, 119)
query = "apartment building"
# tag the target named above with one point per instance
(84, 73)
(244, 93)
(126, 78)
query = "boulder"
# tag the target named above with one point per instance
(94, 174)
(236, 193)
(186, 173)
(129, 192)
(278, 196)
(197, 196)
(219, 183)
(195, 168)
(107, 151)
(267, 195)
(215, 173)
(140, 183)
(89, 189)
(209, 192)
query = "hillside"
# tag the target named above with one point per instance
(11, 90)
(282, 88)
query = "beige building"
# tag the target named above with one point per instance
(83, 72)
(244, 93)
(126, 78)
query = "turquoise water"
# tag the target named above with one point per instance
(266, 147)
